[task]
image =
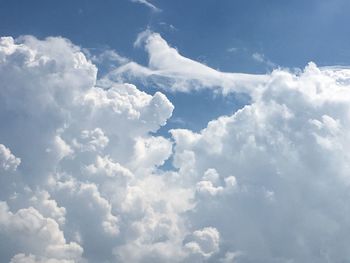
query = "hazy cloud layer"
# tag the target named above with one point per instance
(80, 166)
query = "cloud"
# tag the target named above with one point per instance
(109, 56)
(7, 160)
(287, 153)
(232, 49)
(22, 258)
(230, 257)
(148, 4)
(258, 57)
(83, 176)
(84, 149)
(169, 70)
(29, 230)
(204, 241)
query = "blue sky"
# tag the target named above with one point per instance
(180, 131)
(289, 33)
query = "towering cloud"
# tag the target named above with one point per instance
(82, 174)
(280, 185)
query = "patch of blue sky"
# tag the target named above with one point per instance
(289, 33)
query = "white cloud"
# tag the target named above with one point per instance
(148, 4)
(204, 241)
(259, 57)
(169, 70)
(287, 153)
(7, 160)
(22, 258)
(80, 146)
(29, 231)
(108, 56)
(48, 207)
(268, 183)
(232, 49)
(91, 140)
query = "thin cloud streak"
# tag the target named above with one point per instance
(148, 4)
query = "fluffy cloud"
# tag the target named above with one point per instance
(85, 150)
(7, 160)
(29, 231)
(204, 242)
(84, 178)
(287, 153)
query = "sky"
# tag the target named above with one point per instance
(174, 131)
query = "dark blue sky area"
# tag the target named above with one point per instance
(289, 33)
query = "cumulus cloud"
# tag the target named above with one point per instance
(204, 242)
(29, 231)
(83, 150)
(287, 153)
(7, 160)
(84, 178)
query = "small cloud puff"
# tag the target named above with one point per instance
(8, 162)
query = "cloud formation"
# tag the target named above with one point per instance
(82, 173)
(285, 162)
(7, 160)
(169, 70)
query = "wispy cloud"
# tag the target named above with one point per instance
(148, 4)
(232, 49)
(169, 70)
(261, 58)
